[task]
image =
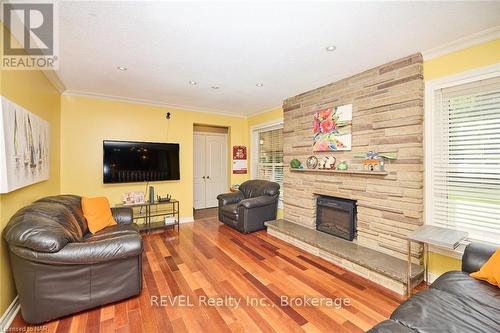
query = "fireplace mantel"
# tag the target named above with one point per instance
(352, 172)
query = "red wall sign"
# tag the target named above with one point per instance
(239, 160)
(239, 153)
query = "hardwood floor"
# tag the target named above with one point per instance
(205, 213)
(209, 259)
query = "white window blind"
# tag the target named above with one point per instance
(466, 158)
(269, 157)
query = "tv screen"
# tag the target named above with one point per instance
(126, 161)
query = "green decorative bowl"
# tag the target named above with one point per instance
(342, 166)
(295, 164)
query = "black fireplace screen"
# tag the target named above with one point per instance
(336, 216)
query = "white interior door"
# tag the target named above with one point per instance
(209, 169)
(216, 168)
(199, 171)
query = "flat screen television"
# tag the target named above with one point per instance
(127, 162)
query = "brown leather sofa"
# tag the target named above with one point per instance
(60, 268)
(246, 210)
(455, 302)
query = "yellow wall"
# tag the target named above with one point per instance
(259, 119)
(460, 61)
(88, 121)
(266, 117)
(439, 263)
(34, 92)
(456, 62)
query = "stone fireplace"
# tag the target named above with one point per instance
(387, 117)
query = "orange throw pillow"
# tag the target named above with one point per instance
(490, 271)
(98, 213)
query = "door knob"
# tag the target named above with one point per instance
(203, 177)
(208, 177)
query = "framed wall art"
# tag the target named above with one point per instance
(24, 147)
(333, 129)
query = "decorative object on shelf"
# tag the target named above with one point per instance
(133, 198)
(332, 129)
(24, 154)
(374, 161)
(239, 160)
(327, 162)
(163, 199)
(170, 220)
(373, 165)
(342, 165)
(296, 164)
(151, 194)
(321, 164)
(350, 171)
(312, 162)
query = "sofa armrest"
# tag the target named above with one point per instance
(119, 247)
(36, 232)
(475, 255)
(122, 215)
(257, 202)
(230, 198)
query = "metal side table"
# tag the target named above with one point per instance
(448, 239)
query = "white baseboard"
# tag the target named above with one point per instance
(9, 315)
(186, 219)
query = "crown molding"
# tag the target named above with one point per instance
(151, 103)
(55, 80)
(462, 43)
(264, 111)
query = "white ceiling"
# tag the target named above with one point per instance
(236, 45)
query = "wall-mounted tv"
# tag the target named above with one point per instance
(127, 162)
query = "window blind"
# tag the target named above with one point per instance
(466, 158)
(270, 155)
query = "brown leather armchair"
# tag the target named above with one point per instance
(246, 210)
(60, 268)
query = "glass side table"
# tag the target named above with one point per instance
(448, 239)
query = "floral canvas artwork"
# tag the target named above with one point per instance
(332, 129)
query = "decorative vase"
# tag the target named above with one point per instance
(342, 166)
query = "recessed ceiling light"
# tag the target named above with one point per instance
(122, 68)
(215, 87)
(331, 48)
(259, 84)
(193, 83)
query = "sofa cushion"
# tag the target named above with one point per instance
(230, 211)
(98, 213)
(463, 286)
(435, 310)
(112, 231)
(73, 203)
(258, 187)
(490, 271)
(103, 250)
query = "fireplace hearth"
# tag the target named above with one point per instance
(336, 216)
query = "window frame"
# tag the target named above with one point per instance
(254, 149)
(431, 87)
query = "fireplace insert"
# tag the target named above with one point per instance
(336, 216)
